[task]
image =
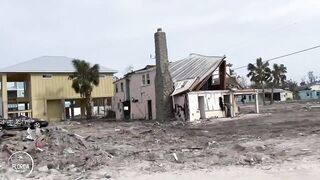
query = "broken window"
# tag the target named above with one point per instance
(181, 84)
(121, 87)
(117, 88)
(307, 94)
(148, 78)
(145, 79)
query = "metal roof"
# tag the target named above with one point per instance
(194, 66)
(48, 64)
(192, 70)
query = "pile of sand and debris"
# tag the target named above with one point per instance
(55, 148)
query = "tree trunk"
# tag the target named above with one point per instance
(263, 95)
(271, 100)
(89, 105)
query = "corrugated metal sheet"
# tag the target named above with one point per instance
(48, 64)
(192, 70)
(194, 66)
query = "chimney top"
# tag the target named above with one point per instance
(159, 30)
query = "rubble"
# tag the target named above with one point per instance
(57, 148)
(238, 147)
(43, 169)
(78, 151)
(68, 151)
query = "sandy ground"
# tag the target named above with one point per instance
(280, 143)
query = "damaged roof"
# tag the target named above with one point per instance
(187, 72)
(194, 66)
(47, 64)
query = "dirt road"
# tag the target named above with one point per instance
(281, 143)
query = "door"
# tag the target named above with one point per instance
(54, 110)
(126, 109)
(149, 109)
(201, 107)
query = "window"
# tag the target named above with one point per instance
(46, 76)
(117, 88)
(181, 84)
(307, 94)
(121, 87)
(318, 93)
(143, 79)
(146, 79)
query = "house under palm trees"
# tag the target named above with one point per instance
(41, 88)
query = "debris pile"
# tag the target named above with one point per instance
(57, 148)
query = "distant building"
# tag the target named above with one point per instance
(40, 88)
(310, 92)
(279, 95)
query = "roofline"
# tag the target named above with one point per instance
(139, 71)
(224, 56)
(54, 72)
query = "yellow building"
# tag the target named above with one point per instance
(40, 88)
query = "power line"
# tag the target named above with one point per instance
(282, 56)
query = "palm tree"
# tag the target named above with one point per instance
(260, 74)
(278, 77)
(84, 79)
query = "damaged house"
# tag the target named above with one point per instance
(201, 88)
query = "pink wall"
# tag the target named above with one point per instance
(142, 93)
(139, 95)
(118, 98)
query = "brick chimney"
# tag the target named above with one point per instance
(163, 81)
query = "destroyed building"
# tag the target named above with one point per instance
(279, 95)
(40, 88)
(203, 88)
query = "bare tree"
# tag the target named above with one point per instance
(242, 81)
(312, 78)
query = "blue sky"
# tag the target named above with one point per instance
(119, 33)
